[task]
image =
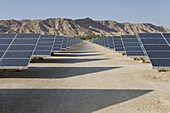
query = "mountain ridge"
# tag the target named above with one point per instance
(77, 27)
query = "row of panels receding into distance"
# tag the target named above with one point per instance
(17, 50)
(152, 46)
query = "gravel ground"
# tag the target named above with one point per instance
(86, 78)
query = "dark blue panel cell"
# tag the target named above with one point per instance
(3, 47)
(150, 35)
(168, 40)
(135, 53)
(160, 62)
(166, 35)
(7, 36)
(57, 45)
(18, 55)
(118, 43)
(56, 48)
(133, 48)
(154, 41)
(45, 44)
(66, 39)
(157, 47)
(119, 49)
(64, 46)
(47, 36)
(130, 40)
(59, 37)
(28, 36)
(59, 40)
(25, 41)
(1, 54)
(158, 54)
(42, 53)
(116, 39)
(43, 48)
(118, 46)
(5, 41)
(128, 36)
(14, 62)
(131, 44)
(22, 47)
(45, 40)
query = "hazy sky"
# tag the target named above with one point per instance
(135, 11)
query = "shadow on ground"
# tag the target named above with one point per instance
(68, 60)
(54, 72)
(63, 100)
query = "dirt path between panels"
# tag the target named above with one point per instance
(86, 78)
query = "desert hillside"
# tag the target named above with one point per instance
(79, 27)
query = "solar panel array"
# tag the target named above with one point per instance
(155, 46)
(110, 43)
(65, 42)
(16, 50)
(132, 46)
(19, 51)
(45, 45)
(106, 42)
(100, 41)
(167, 37)
(118, 44)
(5, 41)
(58, 44)
(157, 49)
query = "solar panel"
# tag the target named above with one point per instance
(28, 36)
(132, 46)
(106, 42)
(76, 41)
(44, 46)
(68, 43)
(110, 42)
(25, 41)
(5, 41)
(65, 42)
(167, 37)
(24, 47)
(58, 44)
(157, 49)
(7, 36)
(42, 53)
(18, 55)
(118, 44)
(20, 50)
(14, 63)
(3, 47)
(98, 41)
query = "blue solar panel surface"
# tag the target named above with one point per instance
(167, 37)
(110, 42)
(5, 41)
(19, 51)
(58, 44)
(132, 46)
(65, 42)
(118, 44)
(157, 49)
(45, 45)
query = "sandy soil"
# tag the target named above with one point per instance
(86, 78)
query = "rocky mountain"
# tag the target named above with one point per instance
(79, 27)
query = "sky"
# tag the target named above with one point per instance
(134, 11)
